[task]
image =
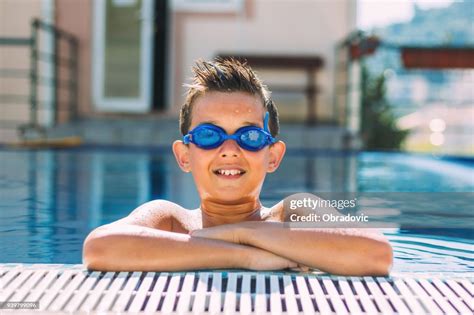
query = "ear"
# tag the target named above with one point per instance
(181, 153)
(277, 151)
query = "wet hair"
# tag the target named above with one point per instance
(226, 75)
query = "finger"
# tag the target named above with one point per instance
(210, 234)
(199, 233)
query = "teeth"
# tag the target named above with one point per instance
(229, 172)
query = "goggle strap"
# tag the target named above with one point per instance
(265, 127)
(265, 122)
(187, 139)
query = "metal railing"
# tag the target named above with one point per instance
(61, 65)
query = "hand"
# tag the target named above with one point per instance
(300, 268)
(259, 259)
(253, 258)
(227, 232)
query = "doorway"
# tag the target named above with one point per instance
(129, 55)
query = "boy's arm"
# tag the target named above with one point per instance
(353, 252)
(143, 241)
(344, 251)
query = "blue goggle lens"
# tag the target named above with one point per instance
(206, 137)
(255, 139)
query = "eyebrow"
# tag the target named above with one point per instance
(246, 123)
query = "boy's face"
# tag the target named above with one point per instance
(229, 111)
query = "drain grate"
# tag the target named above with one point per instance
(66, 288)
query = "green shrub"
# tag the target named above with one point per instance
(379, 131)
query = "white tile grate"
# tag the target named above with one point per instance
(71, 289)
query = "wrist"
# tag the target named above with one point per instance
(241, 256)
(246, 231)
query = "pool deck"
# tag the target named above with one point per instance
(71, 289)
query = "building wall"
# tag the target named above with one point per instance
(284, 27)
(15, 21)
(75, 17)
(302, 27)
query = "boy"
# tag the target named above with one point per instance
(229, 124)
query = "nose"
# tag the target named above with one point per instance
(229, 148)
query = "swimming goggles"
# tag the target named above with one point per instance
(251, 138)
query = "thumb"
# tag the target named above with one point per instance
(292, 264)
(198, 233)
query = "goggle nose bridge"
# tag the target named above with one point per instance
(189, 137)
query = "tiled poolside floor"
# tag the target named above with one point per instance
(71, 289)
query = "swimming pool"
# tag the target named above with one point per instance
(51, 199)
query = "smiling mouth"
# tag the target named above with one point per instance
(229, 173)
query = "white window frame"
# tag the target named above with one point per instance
(142, 104)
(208, 6)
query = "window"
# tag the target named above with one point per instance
(208, 5)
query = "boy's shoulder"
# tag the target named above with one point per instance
(165, 215)
(275, 213)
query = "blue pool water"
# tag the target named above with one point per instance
(51, 199)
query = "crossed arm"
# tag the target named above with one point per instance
(338, 251)
(134, 243)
